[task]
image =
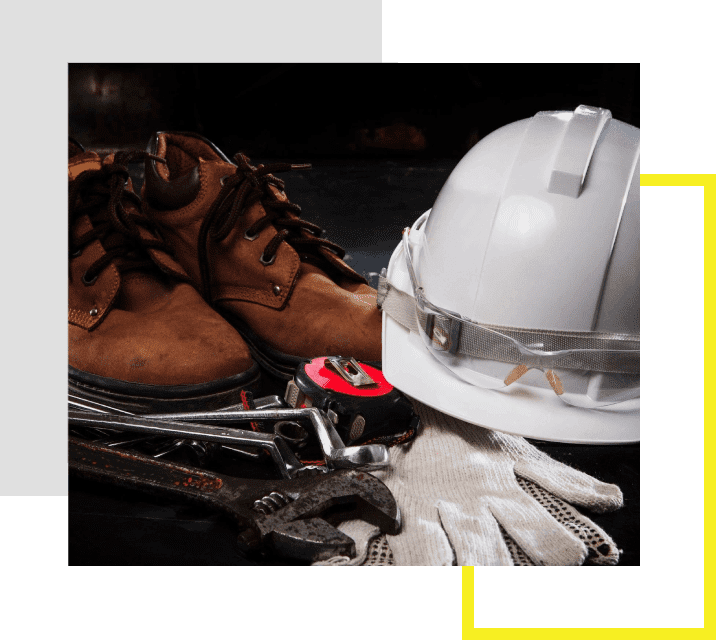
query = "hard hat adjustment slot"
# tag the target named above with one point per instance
(382, 288)
(444, 338)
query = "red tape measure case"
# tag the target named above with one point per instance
(357, 398)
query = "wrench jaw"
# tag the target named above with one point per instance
(311, 539)
(377, 506)
(304, 528)
(367, 456)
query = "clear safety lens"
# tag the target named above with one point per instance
(583, 369)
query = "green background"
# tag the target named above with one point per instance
(674, 49)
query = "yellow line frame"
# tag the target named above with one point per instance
(708, 182)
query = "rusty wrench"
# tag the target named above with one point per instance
(283, 516)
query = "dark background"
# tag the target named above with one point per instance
(382, 139)
(335, 110)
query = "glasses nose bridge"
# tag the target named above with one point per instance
(534, 360)
(543, 361)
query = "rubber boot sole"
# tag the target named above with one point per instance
(146, 398)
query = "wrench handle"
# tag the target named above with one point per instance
(142, 472)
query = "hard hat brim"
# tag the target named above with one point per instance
(521, 410)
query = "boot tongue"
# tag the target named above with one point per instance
(87, 161)
(117, 239)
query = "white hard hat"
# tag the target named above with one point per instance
(514, 303)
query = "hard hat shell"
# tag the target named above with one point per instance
(537, 227)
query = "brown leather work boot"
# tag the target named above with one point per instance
(140, 336)
(231, 226)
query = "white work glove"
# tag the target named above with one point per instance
(472, 496)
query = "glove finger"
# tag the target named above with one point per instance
(475, 537)
(422, 540)
(601, 549)
(559, 479)
(570, 484)
(519, 557)
(379, 553)
(536, 532)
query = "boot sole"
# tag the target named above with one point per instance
(147, 398)
(273, 362)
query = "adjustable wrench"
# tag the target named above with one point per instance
(283, 516)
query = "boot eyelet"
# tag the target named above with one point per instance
(251, 238)
(76, 254)
(265, 262)
(94, 312)
(276, 290)
(223, 179)
(88, 283)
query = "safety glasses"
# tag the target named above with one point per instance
(584, 369)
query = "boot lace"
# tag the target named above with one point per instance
(100, 193)
(242, 189)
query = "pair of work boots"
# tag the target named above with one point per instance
(177, 297)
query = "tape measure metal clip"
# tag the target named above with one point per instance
(350, 370)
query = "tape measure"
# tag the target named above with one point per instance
(357, 398)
